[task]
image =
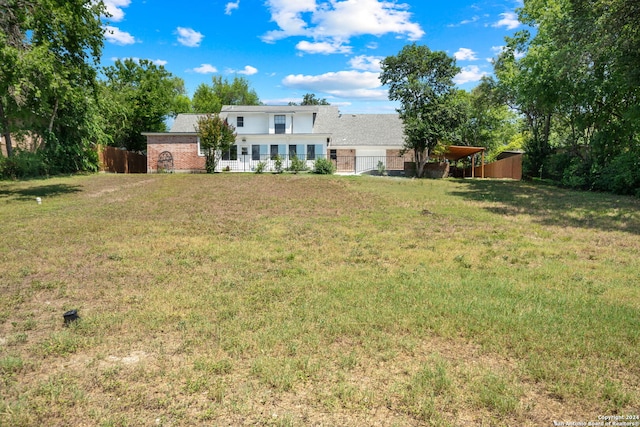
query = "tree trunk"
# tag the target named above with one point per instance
(7, 132)
(421, 161)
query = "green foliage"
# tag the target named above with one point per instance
(205, 100)
(311, 99)
(297, 165)
(277, 164)
(382, 170)
(577, 90)
(216, 135)
(136, 97)
(487, 122)
(210, 99)
(422, 80)
(621, 175)
(48, 60)
(261, 167)
(324, 166)
(22, 164)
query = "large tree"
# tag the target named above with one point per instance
(311, 99)
(487, 121)
(137, 97)
(422, 80)
(576, 82)
(49, 50)
(216, 136)
(210, 98)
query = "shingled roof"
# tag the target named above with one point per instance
(355, 130)
(185, 123)
(346, 130)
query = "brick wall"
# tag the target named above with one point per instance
(345, 160)
(395, 161)
(183, 148)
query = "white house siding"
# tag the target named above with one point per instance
(361, 140)
(253, 124)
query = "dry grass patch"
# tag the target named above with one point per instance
(288, 300)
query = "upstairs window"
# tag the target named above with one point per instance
(280, 123)
(240, 122)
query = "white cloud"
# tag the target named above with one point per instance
(287, 14)
(335, 22)
(248, 70)
(509, 20)
(465, 22)
(325, 48)
(116, 36)
(465, 54)
(366, 63)
(205, 69)
(469, 74)
(342, 84)
(189, 37)
(114, 9)
(231, 6)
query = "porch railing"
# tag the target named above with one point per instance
(343, 164)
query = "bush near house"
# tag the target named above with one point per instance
(323, 166)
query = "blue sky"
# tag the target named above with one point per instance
(287, 48)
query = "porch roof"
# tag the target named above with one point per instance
(456, 152)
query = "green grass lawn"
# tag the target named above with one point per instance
(295, 300)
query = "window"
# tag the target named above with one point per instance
(201, 151)
(245, 151)
(333, 154)
(296, 151)
(311, 152)
(315, 152)
(278, 150)
(280, 123)
(259, 152)
(231, 154)
(240, 122)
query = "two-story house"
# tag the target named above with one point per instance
(354, 142)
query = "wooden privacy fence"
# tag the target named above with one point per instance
(121, 161)
(511, 167)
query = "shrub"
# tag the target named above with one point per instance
(277, 164)
(577, 174)
(382, 170)
(260, 167)
(621, 175)
(297, 165)
(23, 164)
(324, 166)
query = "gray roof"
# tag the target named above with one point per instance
(270, 109)
(185, 123)
(345, 129)
(366, 130)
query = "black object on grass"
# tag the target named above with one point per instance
(70, 316)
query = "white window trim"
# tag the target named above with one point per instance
(200, 152)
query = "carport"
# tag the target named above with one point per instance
(457, 152)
